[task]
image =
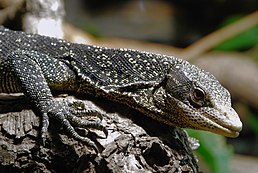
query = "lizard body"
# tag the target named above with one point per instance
(165, 88)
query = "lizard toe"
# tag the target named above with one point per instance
(44, 128)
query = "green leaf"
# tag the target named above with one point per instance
(214, 150)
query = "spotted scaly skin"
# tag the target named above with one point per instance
(168, 89)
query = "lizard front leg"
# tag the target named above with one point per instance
(30, 70)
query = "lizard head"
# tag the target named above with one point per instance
(192, 98)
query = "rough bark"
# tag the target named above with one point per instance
(135, 142)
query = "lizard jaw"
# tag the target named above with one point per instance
(230, 121)
(224, 121)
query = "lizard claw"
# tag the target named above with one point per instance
(44, 128)
(105, 131)
(93, 145)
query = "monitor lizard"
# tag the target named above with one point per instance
(166, 88)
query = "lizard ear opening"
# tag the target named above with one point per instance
(166, 94)
(159, 96)
(164, 101)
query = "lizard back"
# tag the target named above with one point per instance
(102, 67)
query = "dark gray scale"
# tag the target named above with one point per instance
(116, 67)
(8, 83)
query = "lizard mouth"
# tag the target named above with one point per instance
(229, 132)
(226, 122)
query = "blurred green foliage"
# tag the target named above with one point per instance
(214, 150)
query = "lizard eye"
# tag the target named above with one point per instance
(198, 94)
(197, 97)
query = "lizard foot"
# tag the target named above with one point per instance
(79, 113)
(68, 117)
